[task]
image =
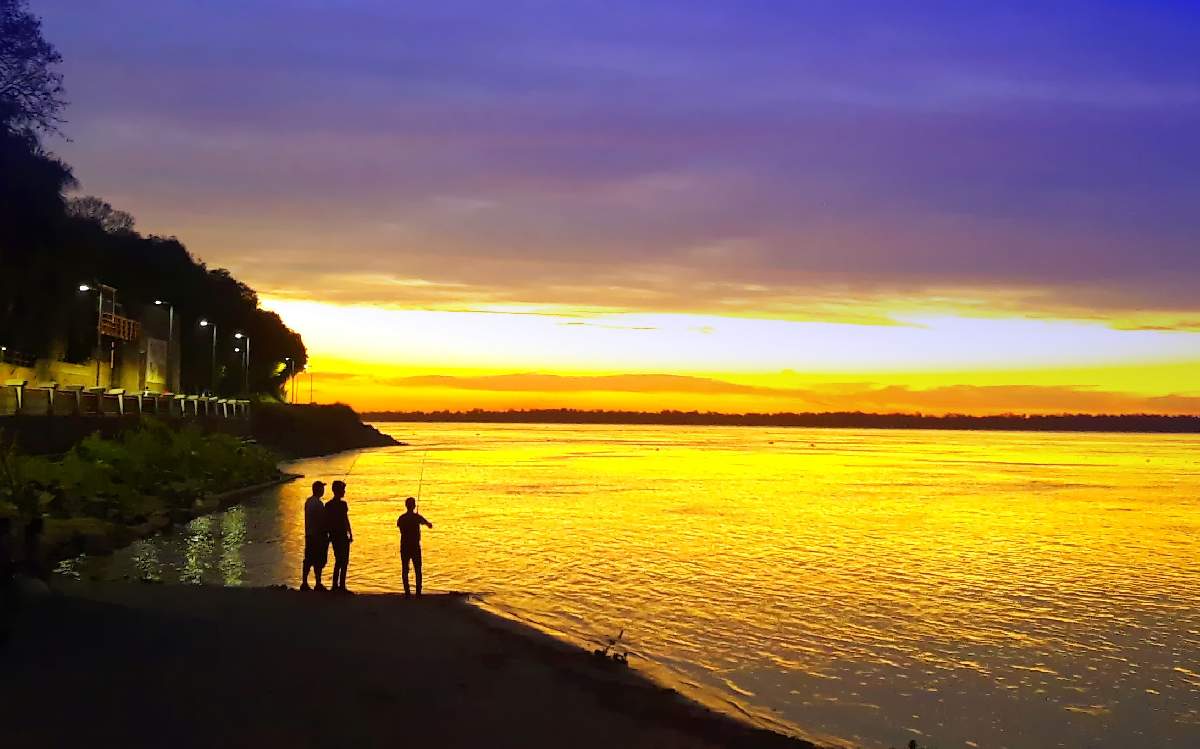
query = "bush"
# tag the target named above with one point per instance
(126, 480)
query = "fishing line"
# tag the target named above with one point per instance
(421, 480)
(352, 464)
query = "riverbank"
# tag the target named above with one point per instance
(306, 431)
(294, 431)
(67, 538)
(136, 477)
(200, 666)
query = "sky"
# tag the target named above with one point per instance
(735, 206)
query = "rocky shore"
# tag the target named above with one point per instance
(67, 538)
(112, 488)
(309, 430)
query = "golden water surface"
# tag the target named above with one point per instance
(968, 589)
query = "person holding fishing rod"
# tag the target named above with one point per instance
(410, 542)
(410, 535)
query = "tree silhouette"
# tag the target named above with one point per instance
(48, 246)
(91, 208)
(31, 90)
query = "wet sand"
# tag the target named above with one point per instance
(133, 665)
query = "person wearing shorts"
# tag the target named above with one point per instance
(316, 537)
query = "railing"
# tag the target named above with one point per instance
(116, 326)
(49, 399)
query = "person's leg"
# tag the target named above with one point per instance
(304, 577)
(417, 569)
(404, 560)
(317, 570)
(341, 560)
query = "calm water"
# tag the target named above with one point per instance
(989, 590)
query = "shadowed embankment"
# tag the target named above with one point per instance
(134, 665)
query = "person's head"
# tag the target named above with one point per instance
(318, 488)
(339, 489)
(411, 503)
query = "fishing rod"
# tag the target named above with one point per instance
(421, 479)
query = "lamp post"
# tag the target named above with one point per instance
(99, 289)
(170, 340)
(242, 356)
(245, 363)
(205, 323)
(291, 365)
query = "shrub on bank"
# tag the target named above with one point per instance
(304, 430)
(147, 471)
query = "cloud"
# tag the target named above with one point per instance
(646, 391)
(740, 158)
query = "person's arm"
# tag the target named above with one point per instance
(426, 522)
(349, 533)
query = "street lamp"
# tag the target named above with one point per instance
(245, 363)
(205, 323)
(291, 364)
(99, 289)
(170, 340)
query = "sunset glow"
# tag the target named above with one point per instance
(712, 206)
(551, 358)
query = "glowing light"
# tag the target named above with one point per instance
(401, 358)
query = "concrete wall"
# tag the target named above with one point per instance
(61, 372)
(131, 370)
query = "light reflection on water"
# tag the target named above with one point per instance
(1011, 590)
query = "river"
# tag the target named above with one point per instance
(967, 589)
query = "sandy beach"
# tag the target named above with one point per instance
(130, 664)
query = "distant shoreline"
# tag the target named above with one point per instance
(1144, 423)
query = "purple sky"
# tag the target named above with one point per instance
(689, 156)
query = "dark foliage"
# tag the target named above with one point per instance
(91, 208)
(300, 431)
(48, 246)
(31, 90)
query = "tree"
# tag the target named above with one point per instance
(31, 90)
(91, 208)
(49, 245)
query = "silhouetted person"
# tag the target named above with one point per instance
(410, 541)
(337, 521)
(316, 536)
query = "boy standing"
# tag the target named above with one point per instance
(316, 538)
(410, 541)
(337, 520)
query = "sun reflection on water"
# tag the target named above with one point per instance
(998, 590)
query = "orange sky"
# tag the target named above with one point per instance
(379, 358)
